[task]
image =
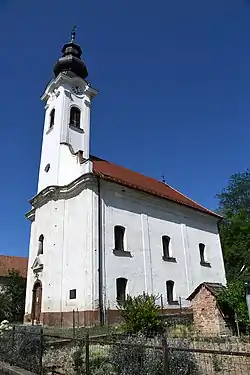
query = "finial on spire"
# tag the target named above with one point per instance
(73, 35)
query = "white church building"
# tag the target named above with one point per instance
(100, 231)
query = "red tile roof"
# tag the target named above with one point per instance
(126, 177)
(213, 288)
(9, 263)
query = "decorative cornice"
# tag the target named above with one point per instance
(88, 103)
(88, 90)
(60, 192)
(31, 215)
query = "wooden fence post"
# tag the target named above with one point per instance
(237, 324)
(162, 306)
(41, 351)
(78, 322)
(74, 325)
(87, 353)
(12, 345)
(165, 357)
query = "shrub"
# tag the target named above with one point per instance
(134, 359)
(141, 315)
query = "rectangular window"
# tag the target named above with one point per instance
(72, 294)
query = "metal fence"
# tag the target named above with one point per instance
(136, 355)
(22, 347)
(30, 349)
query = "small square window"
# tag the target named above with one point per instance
(72, 294)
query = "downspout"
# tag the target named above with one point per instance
(100, 253)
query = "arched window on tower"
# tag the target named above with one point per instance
(40, 245)
(52, 118)
(75, 117)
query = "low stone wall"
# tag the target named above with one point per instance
(5, 368)
(91, 317)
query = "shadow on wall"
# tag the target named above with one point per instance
(141, 203)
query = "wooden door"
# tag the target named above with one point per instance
(37, 302)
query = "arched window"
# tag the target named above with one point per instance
(203, 261)
(121, 284)
(40, 245)
(119, 232)
(165, 246)
(170, 291)
(52, 118)
(75, 117)
(202, 252)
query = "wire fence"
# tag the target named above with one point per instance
(29, 348)
(137, 355)
(22, 347)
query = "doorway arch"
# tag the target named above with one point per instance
(36, 302)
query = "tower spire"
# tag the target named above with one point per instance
(73, 35)
(70, 62)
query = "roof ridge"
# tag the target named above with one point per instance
(13, 256)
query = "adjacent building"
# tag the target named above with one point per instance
(9, 263)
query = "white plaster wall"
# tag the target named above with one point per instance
(146, 219)
(50, 148)
(69, 253)
(61, 142)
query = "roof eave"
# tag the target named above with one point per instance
(120, 182)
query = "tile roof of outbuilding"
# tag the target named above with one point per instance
(12, 262)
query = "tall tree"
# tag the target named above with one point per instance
(234, 206)
(12, 301)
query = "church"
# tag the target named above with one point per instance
(99, 231)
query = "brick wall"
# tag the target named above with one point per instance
(207, 317)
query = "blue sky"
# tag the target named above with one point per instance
(174, 82)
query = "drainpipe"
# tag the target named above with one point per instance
(100, 253)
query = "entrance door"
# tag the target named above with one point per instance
(36, 302)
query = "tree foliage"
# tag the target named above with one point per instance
(142, 315)
(233, 301)
(234, 206)
(12, 297)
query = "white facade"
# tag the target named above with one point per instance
(70, 258)
(71, 210)
(61, 141)
(146, 220)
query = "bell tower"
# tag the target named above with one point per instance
(66, 135)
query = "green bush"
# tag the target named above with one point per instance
(141, 315)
